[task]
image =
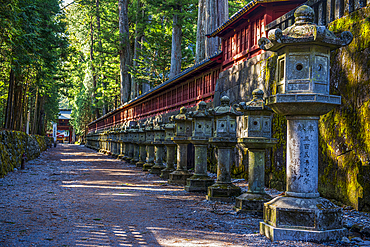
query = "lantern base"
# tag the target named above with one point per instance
(225, 192)
(157, 169)
(165, 173)
(179, 177)
(250, 202)
(198, 183)
(147, 166)
(140, 164)
(286, 234)
(302, 219)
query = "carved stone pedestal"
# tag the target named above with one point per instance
(303, 219)
(171, 155)
(200, 181)
(223, 190)
(158, 164)
(181, 174)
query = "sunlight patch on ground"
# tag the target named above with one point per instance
(113, 187)
(103, 235)
(166, 237)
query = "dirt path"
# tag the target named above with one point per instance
(73, 196)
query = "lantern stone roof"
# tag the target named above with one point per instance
(182, 116)
(304, 31)
(201, 111)
(257, 104)
(224, 109)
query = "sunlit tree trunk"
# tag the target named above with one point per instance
(101, 76)
(176, 46)
(200, 52)
(124, 50)
(93, 71)
(217, 12)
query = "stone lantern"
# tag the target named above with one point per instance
(302, 95)
(202, 131)
(130, 139)
(125, 142)
(169, 129)
(142, 145)
(149, 138)
(121, 141)
(182, 132)
(115, 142)
(256, 137)
(159, 135)
(135, 142)
(104, 141)
(224, 138)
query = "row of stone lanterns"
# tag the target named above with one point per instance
(145, 148)
(302, 95)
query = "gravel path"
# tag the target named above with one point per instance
(73, 196)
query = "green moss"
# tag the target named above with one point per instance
(345, 131)
(13, 144)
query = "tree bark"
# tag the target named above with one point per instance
(35, 114)
(134, 84)
(93, 72)
(200, 52)
(124, 51)
(101, 76)
(10, 101)
(176, 46)
(217, 12)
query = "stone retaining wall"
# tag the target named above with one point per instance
(13, 144)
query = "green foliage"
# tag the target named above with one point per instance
(32, 44)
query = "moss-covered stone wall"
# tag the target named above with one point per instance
(345, 131)
(13, 144)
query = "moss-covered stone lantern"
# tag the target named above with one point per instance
(224, 138)
(122, 141)
(125, 142)
(149, 138)
(169, 129)
(256, 137)
(302, 95)
(182, 132)
(159, 136)
(202, 131)
(142, 145)
(135, 145)
(115, 144)
(130, 138)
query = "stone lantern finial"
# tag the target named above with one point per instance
(257, 94)
(225, 101)
(304, 15)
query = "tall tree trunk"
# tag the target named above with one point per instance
(217, 12)
(36, 113)
(41, 117)
(10, 101)
(18, 97)
(134, 84)
(25, 107)
(200, 52)
(124, 51)
(176, 46)
(101, 76)
(94, 101)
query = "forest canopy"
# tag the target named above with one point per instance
(89, 55)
